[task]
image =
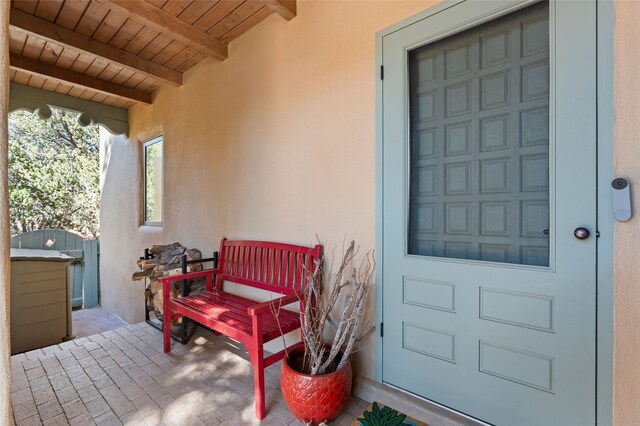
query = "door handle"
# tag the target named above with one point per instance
(581, 233)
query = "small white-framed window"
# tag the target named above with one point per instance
(152, 164)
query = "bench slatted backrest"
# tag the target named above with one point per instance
(277, 267)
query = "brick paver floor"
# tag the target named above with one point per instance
(121, 377)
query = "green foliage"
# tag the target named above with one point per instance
(153, 182)
(382, 417)
(54, 179)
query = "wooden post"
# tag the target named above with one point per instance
(5, 263)
(91, 273)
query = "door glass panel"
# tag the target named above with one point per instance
(479, 157)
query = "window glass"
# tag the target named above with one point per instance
(479, 161)
(153, 182)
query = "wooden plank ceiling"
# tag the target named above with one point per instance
(118, 52)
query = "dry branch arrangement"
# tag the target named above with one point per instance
(320, 302)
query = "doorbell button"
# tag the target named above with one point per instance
(619, 183)
(621, 199)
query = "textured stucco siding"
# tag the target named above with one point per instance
(627, 234)
(5, 362)
(276, 143)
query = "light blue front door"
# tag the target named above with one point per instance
(488, 176)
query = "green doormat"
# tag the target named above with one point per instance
(380, 415)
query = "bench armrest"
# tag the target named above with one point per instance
(166, 281)
(171, 278)
(260, 308)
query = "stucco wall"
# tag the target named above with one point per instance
(5, 276)
(119, 239)
(627, 235)
(277, 143)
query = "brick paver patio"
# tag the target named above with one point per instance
(122, 377)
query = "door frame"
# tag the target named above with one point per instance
(604, 174)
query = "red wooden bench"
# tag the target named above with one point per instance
(276, 267)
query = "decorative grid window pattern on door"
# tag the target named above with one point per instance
(479, 157)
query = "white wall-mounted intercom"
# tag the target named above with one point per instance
(621, 199)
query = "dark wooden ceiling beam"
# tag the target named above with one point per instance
(55, 72)
(169, 25)
(41, 28)
(285, 8)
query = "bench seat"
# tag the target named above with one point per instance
(224, 312)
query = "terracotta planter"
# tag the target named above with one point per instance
(315, 398)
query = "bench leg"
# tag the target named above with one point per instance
(166, 330)
(256, 355)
